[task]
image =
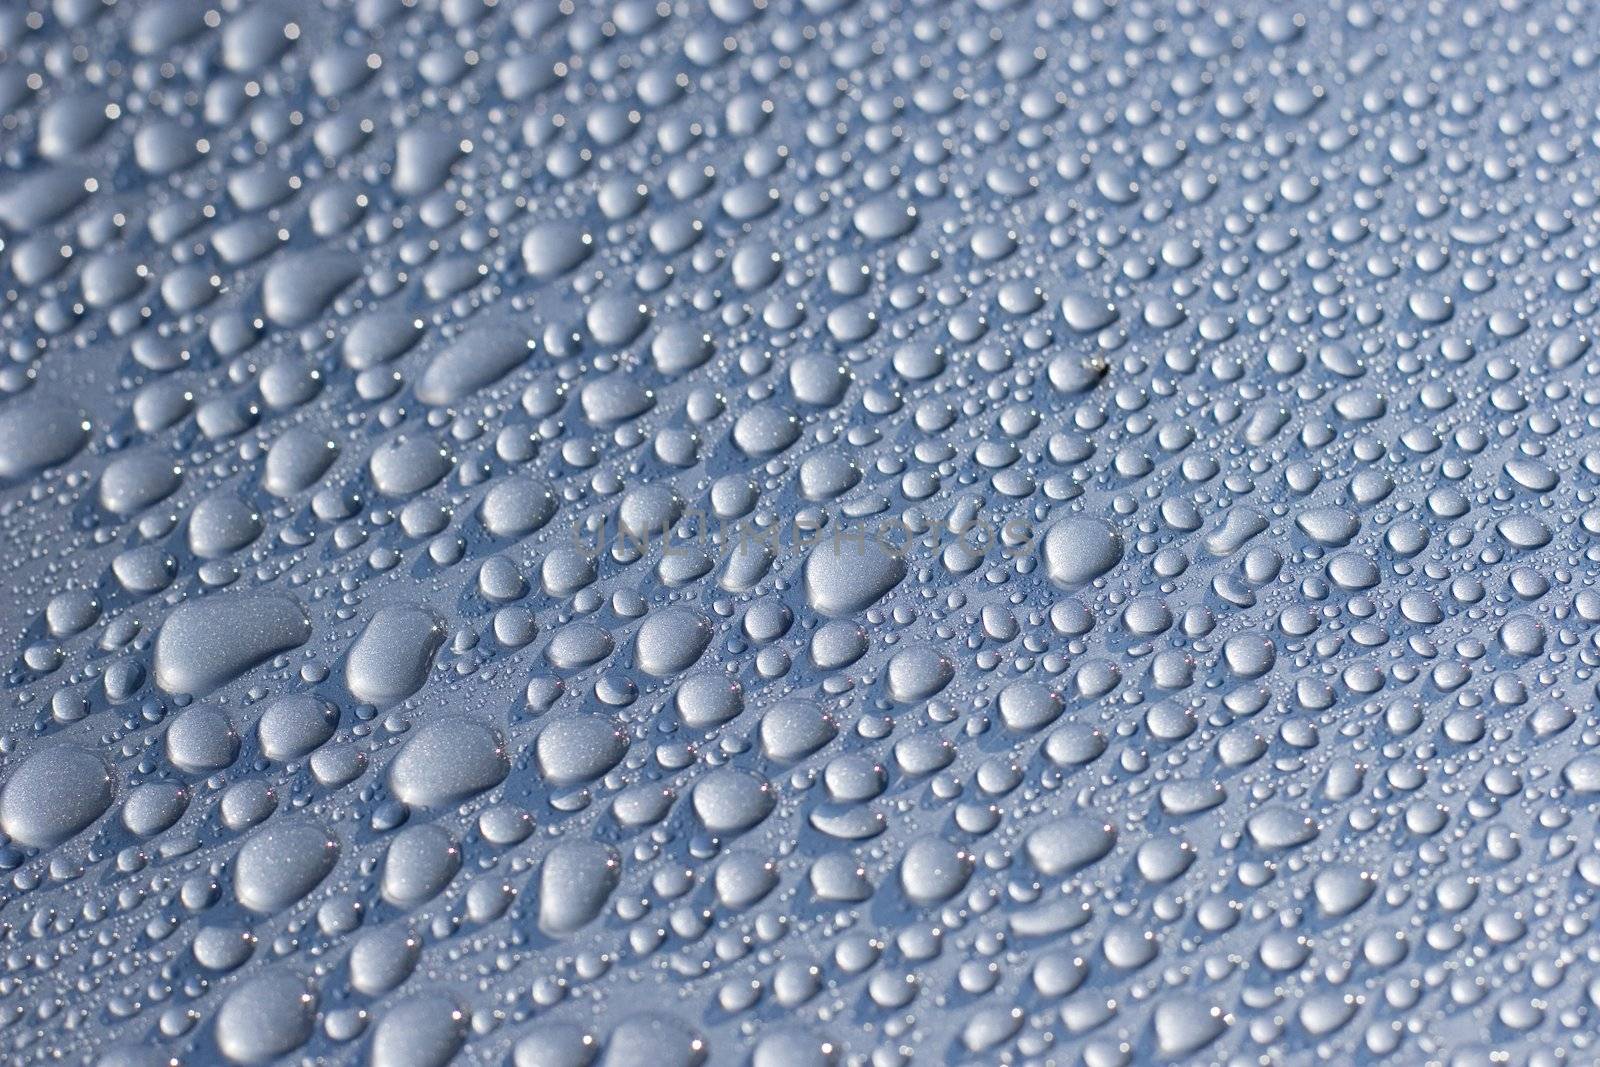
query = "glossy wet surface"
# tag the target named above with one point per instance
(799, 532)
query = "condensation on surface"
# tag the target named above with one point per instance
(791, 532)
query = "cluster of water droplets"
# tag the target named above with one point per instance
(1120, 485)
